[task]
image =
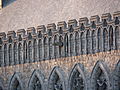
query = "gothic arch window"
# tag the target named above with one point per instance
(99, 40)
(55, 47)
(93, 41)
(60, 46)
(25, 51)
(30, 51)
(117, 76)
(105, 39)
(50, 48)
(88, 38)
(36, 81)
(5, 55)
(111, 40)
(35, 49)
(45, 48)
(71, 45)
(117, 37)
(40, 49)
(20, 52)
(77, 43)
(15, 83)
(66, 45)
(15, 53)
(10, 54)
(100, 77)
(56, 80)
(77, 79)
(82, 43)
(1, 56)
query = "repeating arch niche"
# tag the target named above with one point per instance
(56, 80)
(36, 81)
(15, 83)
(77, 79)
(100, 77)
(117, 77)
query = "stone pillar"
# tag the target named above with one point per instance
(0, 4)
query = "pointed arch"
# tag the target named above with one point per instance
(1, 56)
(20, 53)
(105, 39)
(77, 41)
(99, 36)
(61, 46)
(82, 38)
(55, 46)
(50, 48)
(40, 49)
(100, 77)
(77, 80)
(93, 41)
(66, 44)
(117, 76)
(25, 51)
(45, 48)
(56, 79)
(35, 50)
(5, 55)
(71, 39)
(111, 40)
(15, 82)
(10, 54)
(117, 37)
(36, 81)
(88, 42)
(30, 51)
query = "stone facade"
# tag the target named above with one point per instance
(73, 56)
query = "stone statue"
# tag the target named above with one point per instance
(101, 83)
(78, 82)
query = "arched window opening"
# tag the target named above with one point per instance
(10, 54)
(55, 47)
(77, 43)
(40, 49)
(15, 53)
(77, 79)
(117, 21)
(111, 38)
(56, 80)
(50, 48)
(71, 45)
(93, 24)
(93, 41)
(1, 56)
(60, 46)
(99, 40)
(82, 27)
(66, 45)
(5, 55)
(35, 50)
(82, 43)
(105, 23)
(45, 48)
(100, 79)
(105, 39)
(71, 28)
(88, 38)
(25, 51)
(20, 53)
(117, 37)
(30, 51)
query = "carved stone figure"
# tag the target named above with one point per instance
(101, 83)
(78, 83)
